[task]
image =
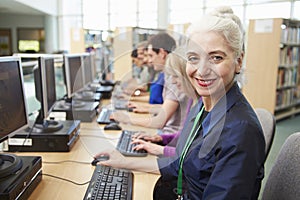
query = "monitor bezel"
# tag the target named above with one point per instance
(67, 74)
(85, 68)
(21, 79)
(43, 76)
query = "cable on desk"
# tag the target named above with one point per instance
(28, 134)
(65, 161)
(85, 146)
(67, 180)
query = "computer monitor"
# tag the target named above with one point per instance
(13, 109)
(88, 69)
(45, 92)
(73, 74)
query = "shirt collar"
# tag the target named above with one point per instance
(218, 113)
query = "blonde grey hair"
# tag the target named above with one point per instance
(176, 65)
(224, 22)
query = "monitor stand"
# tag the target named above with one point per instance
(46, 126)
(9, 164)
(34, 140)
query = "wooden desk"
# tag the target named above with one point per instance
(92, 139)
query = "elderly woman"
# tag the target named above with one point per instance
(220, 151)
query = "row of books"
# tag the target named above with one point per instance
(287, 97)
(290, 35)
(289, 55)
(287, 77)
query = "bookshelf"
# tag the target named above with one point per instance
(272, 66)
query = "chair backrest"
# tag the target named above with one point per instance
(268, 123)
(284, 179)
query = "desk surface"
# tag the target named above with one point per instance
(92, 140)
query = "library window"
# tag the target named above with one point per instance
(275, 10)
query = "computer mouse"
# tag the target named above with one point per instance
(98, 159)
(112, 126)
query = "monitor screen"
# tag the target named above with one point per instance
(88, 69)
(13, 108)
(73, 73)
(45, 90)
(59, 78)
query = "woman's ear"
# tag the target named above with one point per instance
(239, 63)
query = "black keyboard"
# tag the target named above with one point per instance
(125, 146)
(104, 116)
(109, 183)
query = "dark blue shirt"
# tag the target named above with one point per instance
(156, 90)
(226, 159)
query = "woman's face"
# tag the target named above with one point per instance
(211, 64)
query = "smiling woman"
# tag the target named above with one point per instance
(221, 149)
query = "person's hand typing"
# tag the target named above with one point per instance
(147, 137)
(151, 148)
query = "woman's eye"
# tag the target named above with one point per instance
(193, 59)
(216, 59)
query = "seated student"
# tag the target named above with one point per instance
(170, 116)
(221, 150)
(141, 74)
(159, 46)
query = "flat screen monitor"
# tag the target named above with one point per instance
(45, 92)
(87, 69)
(73, 73)
(13, 109)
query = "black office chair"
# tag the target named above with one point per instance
(283, 182)
(268, 123)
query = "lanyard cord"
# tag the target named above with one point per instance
(185, 150)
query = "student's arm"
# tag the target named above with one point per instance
(158, 121)
(117, 160)
(144, 108)
(142, 98)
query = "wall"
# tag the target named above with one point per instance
(17, 21)
(47, 6)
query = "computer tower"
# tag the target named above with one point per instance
(78, 110)
(21, 184)
(59, 141)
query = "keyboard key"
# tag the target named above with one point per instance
(109, 183)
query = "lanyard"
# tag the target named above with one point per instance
(185, 150)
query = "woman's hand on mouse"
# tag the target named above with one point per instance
(116, 159)
(120, 116)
